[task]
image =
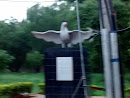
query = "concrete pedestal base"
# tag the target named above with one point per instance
(63, 89)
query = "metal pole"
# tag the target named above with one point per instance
(115, 64)
(115, 54)
(81, 52)
(106, 62)
(105, 40)
(114, 51)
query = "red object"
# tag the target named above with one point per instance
(66, 25)
(97, 88)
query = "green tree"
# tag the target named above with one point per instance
(48, 18)
(89, 18)
(15, 40)
(34, 60)
(18, 47)
(5, 59)
(4, 30)
(16, 37)
(89, 14)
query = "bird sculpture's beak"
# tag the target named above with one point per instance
(66, 25)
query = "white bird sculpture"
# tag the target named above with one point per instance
(64, 36)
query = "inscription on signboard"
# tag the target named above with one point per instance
(64, 69)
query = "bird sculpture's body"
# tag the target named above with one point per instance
(64, 36)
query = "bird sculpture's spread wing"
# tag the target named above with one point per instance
(74, 36)
(49, 36)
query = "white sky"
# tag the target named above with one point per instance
(18, 8)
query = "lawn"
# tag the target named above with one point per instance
(96, 79)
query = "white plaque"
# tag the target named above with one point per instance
(64, 69)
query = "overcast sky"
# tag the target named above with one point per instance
(18, 8)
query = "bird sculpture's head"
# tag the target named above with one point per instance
(64, 25)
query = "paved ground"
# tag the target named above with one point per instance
(98, 97)
(42, 96)
(37, 95)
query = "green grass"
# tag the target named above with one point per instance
(96, 79)
(127, 80)
(7, 78)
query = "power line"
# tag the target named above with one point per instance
(124, 29)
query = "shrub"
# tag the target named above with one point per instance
(5, 90)
(5, 59)
(14, 88)
(42, 87)
(22, 87)
(34, 60)
(127, 90)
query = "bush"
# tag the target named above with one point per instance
(5, 90)
(14, 88)
(127, 90)
(34, 60)
(42, 87)
(5, 59)
(5, 71)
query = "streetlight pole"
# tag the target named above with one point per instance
(106, 50)
(81, 53)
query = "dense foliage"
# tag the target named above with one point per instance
(34, 60)
(5, 59)
(16, 37)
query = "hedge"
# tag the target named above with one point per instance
(26, 87)
(14, 88)
(42, 87)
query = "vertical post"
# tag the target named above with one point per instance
(106, 50)
(106, 62)
(110, 20)
(81, 52)
(115, 59)
(115, 64)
